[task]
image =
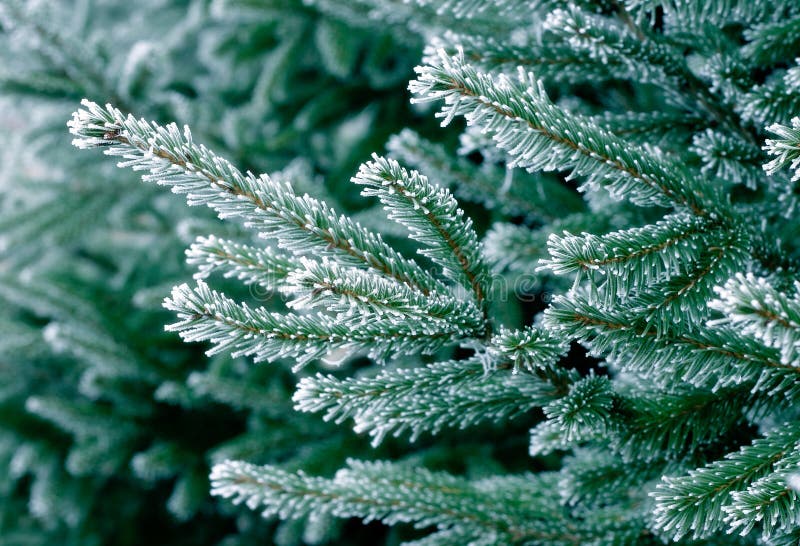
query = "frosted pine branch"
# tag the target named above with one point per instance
(693, 504)
(584, 412)
(629, 260)
(538, 135)
(262, 266)
(501, 510)
(433, 218)
(351, 293)
(206, 315)
(511, 191)
(530, 348)
(754, 307)
(687, 295)
(439, 395)
(610, 42)
(706, 358)
(301, 225)
(768, 501)
(785, 148)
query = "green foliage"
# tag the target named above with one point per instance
(673, 261)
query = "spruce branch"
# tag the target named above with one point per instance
(729, 158)
(649, 60)
(755, 308)
(80, 419)
(454, 394)
(633, 258)
(619, 42)
(509, 247)
(645, 48)
(679, 15)
(671, 425)
(706, 358)
(394, 493)
(430, 17)
(300, 224)
(773, 103)
(538, 135)
(785, 148)
(593, 477)
(92, 344)
(432, 217)
(584, 412)
(251, 265)
(668, 128)
(773, 42)
(687, 295)
(694, 503)
(207, 315)
(530, 348)
(768, 501)
(657, 272)
(351, 293)
(552, 60)
(70, 63)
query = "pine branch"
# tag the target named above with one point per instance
(773, 42)
(768, 501)
(82, 420)
(587, 407)
(648, 55)
(46, 299)
(95, 347)
(580, 415)
(657, 272)
(241, 392)
(541, 136)
(160, 461)
(454, 394)
(729, 158)
(353, 293)
(773, 103)
(693, 504)
(552, 60)
(612, 42)
(672, 425)
(707, 358)
(62, 52)
(681, 16)
(687, 295)
(531, 348)
(394, 493)
(432, 217)
(449, 537)
(206, 315)
(631, 259)
(594, 477)
(755, 308)
(262, 266)
(785, 148)
(515, 248)
(428, 17)
(659, 126)
(300, 224)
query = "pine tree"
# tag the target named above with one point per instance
(623, 286)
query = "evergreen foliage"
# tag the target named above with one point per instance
(109, 425)
(673, 262)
